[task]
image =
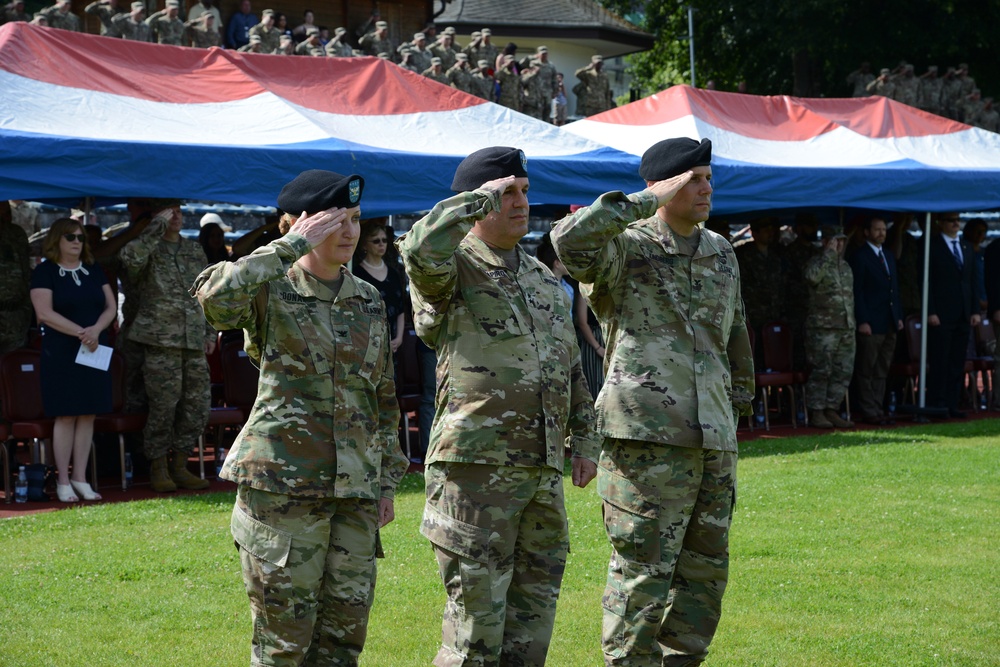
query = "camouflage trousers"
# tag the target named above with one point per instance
(501, 538)
(135, 358)
(309, 569)
(831, 358)
(14, 325)
(667, 512)
(179, 392)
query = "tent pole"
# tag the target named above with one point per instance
(921, 401)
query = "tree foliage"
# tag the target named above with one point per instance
(808, 47)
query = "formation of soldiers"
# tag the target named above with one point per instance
(529, 85)
(952, 95)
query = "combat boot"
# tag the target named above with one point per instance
(817, 418)
(180, 475)
(159, 476)
(837, 420)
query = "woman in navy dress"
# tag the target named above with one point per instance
(74, 304)
(371, 266)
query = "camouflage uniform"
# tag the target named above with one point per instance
(15, 279)
(338, 49)
(547, 84)
(371, 45)
(483, 85)
(171, 329)
(105, 12)
(678, 372)
(511, 90)
(535, 103)
(270, 38)
(830, 328)
(460, 78)
(445, 53)
(885, 88)
(11, 15)
(319, 450)
(167, 30)
(951, 95)
(763, 279)
(929, 98)
(595, 96)
(307, 49)
(511, 396)
(440, 77)
(57, 19)
(137, 31)
(201, 37)
(858, 80)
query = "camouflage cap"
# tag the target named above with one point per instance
(173, 4)
(488, 164)
(476, 33)
(255, 39)
(138, 5)
(340, 31)
(542, 49)
(383, 55)
(381, 25)
(885, 71)
(828, 232)
(483, 64)
(418, 36)
(268, 12)
(285, 38)
(671, 157)
(435, 61)
(597, 58)
(485, 31)
(316, 190)
(312, 30)
(449, 31)
(462, 56)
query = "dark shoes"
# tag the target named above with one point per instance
(837, 420)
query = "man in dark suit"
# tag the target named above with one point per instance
(991, 259)
(952, 308)
(879, 315)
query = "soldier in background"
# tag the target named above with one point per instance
(967, 83)
(535, 103)
(206, 7)
(511, 88)
(166, 24)
(270, 36)
(170, 328)
(201, 33)
(546, 77)
(60, 16)
(472, 48)
(406, 60)
(795, 256)
(593, 93)
(436, 72)
(859, 79)
(667, 294)
(951, 92)
(15, 281)
(105, 10)
(929, 98)
(443, 49)
(14, 12)
(830, 341)
(460, 76)
(484, 85)
(420, 56)
(907, 87)
(318, 461)
(487, 51)
(286, 46)
(132, 26)
(516, 397)
(988, 118)
(882, 85)
(312, 45)
(338, 47)
(377, 41)
(255, 45)
(762, 272)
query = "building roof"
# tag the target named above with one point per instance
(569, 18)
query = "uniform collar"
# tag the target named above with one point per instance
(482, 251)
(658, 230)
(308, 285)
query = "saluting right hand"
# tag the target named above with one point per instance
(667, 188)
(317, 227)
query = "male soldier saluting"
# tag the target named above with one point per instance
(679, 371)
(511, 396)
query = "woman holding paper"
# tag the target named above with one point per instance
(74, 305)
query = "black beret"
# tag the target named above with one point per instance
(317, 190)
(489, 164)
(671, 157)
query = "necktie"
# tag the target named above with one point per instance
(885, 266)
(957, 252)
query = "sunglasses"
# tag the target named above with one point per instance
(378, 241)
(74, 237)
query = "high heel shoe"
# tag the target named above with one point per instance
(65, 493)
(84, 491)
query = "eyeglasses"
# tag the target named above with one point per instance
(74, 237)
(378, 241)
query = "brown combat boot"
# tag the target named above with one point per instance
(837, 420)
(817, 418)
(159, 476)
(180, 475)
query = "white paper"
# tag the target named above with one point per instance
(99, 358)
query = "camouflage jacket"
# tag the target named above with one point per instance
(678, 363)
(336, 49)
(460, 78)
(596, 94)
(440, 77)
(511, 89)
(135, 30)
(371, 45)
(105, 13)
(201, 38)
(57, 19)
(270, 38)
(15, 269)
(510, 383)
(324, 423)
(446, 54)
(160, 273)
(763, 280)
(167, 30)
(483, 86)
(831, 292)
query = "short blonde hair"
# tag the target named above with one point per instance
(50, 246)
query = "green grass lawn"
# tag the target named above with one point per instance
(866, 548)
